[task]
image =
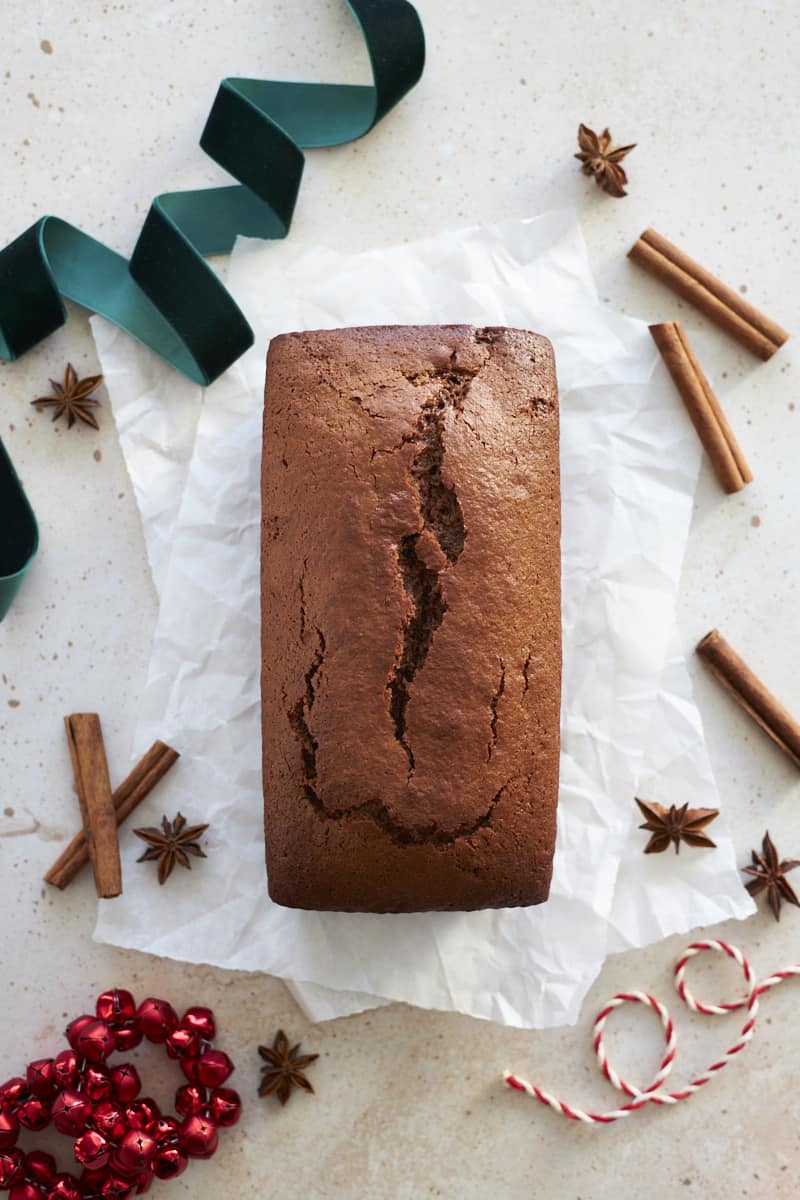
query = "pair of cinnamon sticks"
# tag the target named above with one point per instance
(731, 312)
(720, 303)
(101, 809)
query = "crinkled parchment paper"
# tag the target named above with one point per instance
(629, 725)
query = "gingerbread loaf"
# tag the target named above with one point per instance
(411, 618)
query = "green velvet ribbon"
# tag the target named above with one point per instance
(19, 534)
(166, 296)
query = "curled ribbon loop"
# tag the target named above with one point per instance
(167, 297)
(653, 1094)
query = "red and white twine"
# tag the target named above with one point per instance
(653, 1094)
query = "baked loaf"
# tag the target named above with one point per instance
(411, 618)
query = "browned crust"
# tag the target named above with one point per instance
(411, 623)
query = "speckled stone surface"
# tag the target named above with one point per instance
(101, 108)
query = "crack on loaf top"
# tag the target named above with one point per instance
(298, 716)
(440, 515)
(493, 704)
(399, 833)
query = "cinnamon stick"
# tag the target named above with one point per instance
(128, 796)
(749, 692)
(720, 303)
(707, 417)
(90, 768)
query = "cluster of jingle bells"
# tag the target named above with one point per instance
(122, 1140)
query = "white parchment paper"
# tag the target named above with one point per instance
(629, 468)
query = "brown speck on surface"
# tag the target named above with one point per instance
(743, 287)
(755, 522)
(46, 46)
(98, 454)
(8, 812)
(14, 703)
(791, 406)
(34, 100)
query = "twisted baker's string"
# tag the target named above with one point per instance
(167, 297)
(653, 1094)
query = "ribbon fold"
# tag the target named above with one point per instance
(167, 296)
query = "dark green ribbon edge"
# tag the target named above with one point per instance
(16, 514)
(167, 297)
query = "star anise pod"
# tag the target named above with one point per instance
(172, 843)
(769, 875)
(72, 398)
(675, 825)
(285, 1068)
(602, 160)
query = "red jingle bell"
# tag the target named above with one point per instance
(91, 1181)
(125, 1082)
(65, 1069)
(26, 1191)
(201, 1020)
(169, 1162)
(12, 1167)
(189, 1068)
(96, 1083)
(116, 1188)
(157, 1019)
(183, 1043)
(40, 1167)
(95, 1041)
(190, 1099)
(213, 1068)
(34, 1113)
(142, 1114)
(135, 1152)
(225, 1107)
(76, 1028)
(93, 1150)
(9, 1130)
(143, 1183)
(126, 1037)
(65, 1187)
(166, 1128)
(107, 1117)
(12, 1093)
(71, 1111)
(198, 1137)
(116, 1006)
(41, 1078)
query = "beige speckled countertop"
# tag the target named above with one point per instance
(102, 105)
